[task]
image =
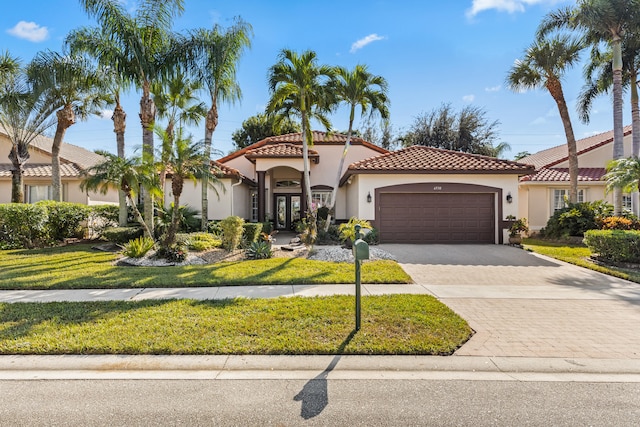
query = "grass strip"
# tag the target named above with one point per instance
(578, 255)
(391, 324)
(80, 266)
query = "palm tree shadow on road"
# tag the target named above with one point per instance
(314, 395)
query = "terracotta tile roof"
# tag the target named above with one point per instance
(555, 155)
(69, 153)
(420, 159)
(321, 138)
(562, 174)
(35, 170)
(283, 150)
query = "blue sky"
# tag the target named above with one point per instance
(430, 52)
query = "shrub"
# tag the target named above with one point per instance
(65, 219)
(576, 218)
(308, 235)
(619, 223)
(23, 226)
(267, 227)
(137, 248)
(614, 245)
(329, 237)
(348, 229)
(231, 232)
(102, 217)
(214, 228)
(202, 241)
(121, 235)
(188, 219)
(174, 253)
(259, 250)
(251, 231)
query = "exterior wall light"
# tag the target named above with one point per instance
(509, 198)
(369, 197)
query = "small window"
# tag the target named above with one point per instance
(561, 198)
(36, 193)
(287, 183)
(254, 206)
(320, 198)
(626, 203)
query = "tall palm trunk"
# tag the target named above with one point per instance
(66, 118)
(310, 213)
(167, 144)
(555, 89)
(177, 184)
(210, 127)
(618, 144)
(347, 143)
(147, 119)
(119, 118)
(138, 216)
(635, 133)
(18, 155)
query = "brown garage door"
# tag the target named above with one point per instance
(437, 218)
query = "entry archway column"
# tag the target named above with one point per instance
(261, 196)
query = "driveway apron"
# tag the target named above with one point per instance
(524, 304)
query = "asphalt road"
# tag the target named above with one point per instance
(317, 402)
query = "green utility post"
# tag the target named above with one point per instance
(360, 252)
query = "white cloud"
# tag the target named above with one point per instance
(493, 89)
(29, 31)
(509, 6)
(468, 98)
(106, 114)
(539, 121)
(365, 41)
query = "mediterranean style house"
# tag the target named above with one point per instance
(37, 173)
(413, 195)
(542, 193)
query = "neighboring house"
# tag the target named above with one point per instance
(416, 195)
(545, 191)
(37, 173)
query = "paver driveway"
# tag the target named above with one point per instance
(524, 304)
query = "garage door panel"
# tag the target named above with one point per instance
(437, 217)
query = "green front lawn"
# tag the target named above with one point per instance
(578, 255)
(391, 324)
(79, 266)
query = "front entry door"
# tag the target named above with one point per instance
(287, 209)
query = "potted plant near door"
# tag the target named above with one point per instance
(517, 227)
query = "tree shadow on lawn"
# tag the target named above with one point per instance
(314, 395)
(24, 318)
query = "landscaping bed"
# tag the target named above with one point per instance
(80, 266)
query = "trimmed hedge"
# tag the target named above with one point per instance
(23, 226)
(231, 232)
(122, 235)
(251, 231)
(65, 219)
(614, 245)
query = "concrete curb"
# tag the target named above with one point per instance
(319, 364)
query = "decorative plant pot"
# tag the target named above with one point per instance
(515, 240)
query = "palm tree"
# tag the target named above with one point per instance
(602, 21)
(77, 91)
(599, 80)
(544, 65)
(177, 103)
(9, 66)
(357, 87)
(147, 42)
(115, 63)
(128, 174)
(299, 87)
(216, 54)
(624, 174)
(25, 114)
(185, 162)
